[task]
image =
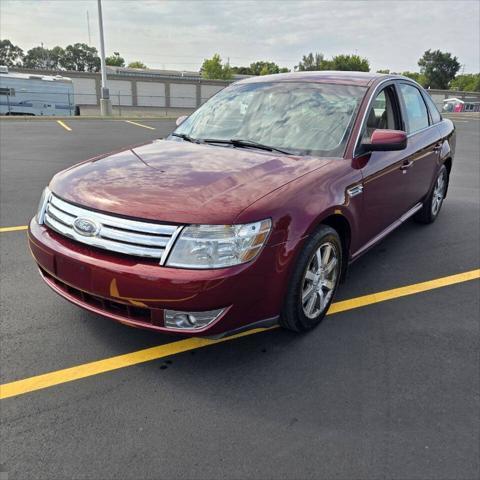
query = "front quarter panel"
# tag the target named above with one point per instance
(299, 207)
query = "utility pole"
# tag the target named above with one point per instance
(44, 60)
(105, 102)
(88, 27)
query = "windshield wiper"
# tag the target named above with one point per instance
(238, 142)
(185, 137)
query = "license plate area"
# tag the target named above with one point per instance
(73, 272)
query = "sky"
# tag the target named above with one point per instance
(180, 34)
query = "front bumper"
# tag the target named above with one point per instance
(136, 291)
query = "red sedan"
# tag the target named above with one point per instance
(251, 211)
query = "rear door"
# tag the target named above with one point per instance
(424, 144)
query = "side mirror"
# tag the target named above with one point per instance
(181, 119)
(386, 141)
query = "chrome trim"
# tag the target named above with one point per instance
(113, 221)
(421, 130)
(395, 79)
(115, 234)
(367, 110)
(355, 190)
(46, 195)
(386, 231)
(170, 245)
(79, 226)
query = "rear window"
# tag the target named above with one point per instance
(416, 110)
(436, 117)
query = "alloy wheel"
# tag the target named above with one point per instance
(438, 193)
(320, 280)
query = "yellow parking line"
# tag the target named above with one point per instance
(13, 229)
(64, 125)
(38, 382)
(403, 291)
(140, 125)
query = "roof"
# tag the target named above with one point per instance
(343, 78)
(156, 73)
(33, 76)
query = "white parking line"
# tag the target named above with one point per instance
(140, 125)
(64, 125)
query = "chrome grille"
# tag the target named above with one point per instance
(116, 234)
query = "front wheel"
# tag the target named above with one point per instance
(314, 281)
(433, 204)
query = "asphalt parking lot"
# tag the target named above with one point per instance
(385, 390)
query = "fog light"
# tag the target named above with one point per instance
(190, 320)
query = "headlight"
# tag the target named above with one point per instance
(42, 205)
(217, 246)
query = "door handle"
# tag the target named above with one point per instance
(406, 165)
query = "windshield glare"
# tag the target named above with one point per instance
(304, 118)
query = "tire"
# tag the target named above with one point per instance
(301, 313)
(433, 204)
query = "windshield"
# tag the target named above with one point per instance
(302, 118)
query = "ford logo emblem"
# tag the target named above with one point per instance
(86, 227)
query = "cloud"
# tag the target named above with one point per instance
(180, 34)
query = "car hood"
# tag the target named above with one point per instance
(179, 182)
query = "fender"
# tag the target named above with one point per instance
(297, 208)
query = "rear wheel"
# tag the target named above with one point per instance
(433, 204)
(314, 281)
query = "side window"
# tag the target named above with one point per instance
(416, 110)
(436, 117)
(382, 114)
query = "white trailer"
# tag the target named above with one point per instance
(29, 94)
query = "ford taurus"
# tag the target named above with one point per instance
(250, 212)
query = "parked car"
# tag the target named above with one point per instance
(30, 94)
(457, 105)
(251, 211)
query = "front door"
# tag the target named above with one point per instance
(384, 172)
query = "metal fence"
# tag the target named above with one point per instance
(17, 102)
(35, 102)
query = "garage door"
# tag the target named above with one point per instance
(84, 90)
(150, 94)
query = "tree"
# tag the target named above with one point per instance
(36, 57)
(264, 68)
(54, 57)
(115, 60)
(10, 54)
(213, 69)
(242, 70)
(40, 57)
(469, 82)
(439, 68)
(417, 77)
(137, 64)
(353, 63)
(386, 70)
(311, 62)
(80, 57)
(260, 68)
(317, 61)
